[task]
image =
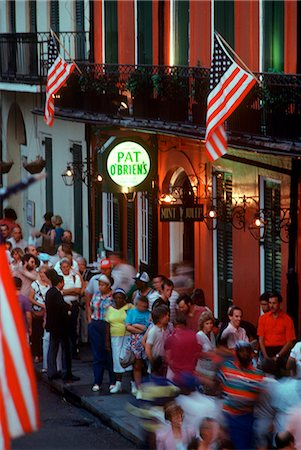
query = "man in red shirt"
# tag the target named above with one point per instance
(182, 352)
(192, 312)
(276, 331)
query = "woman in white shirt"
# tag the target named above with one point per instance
(206, 336)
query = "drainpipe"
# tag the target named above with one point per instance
(292, 276)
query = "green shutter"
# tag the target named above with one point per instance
(145, 32)
(78, 201)
(273, 29)
(12, 15)
(49, 172)
(131, 235)
(33, 15)
(181, 32)
(224, 241)
(111, 31)
(117, 221)
(54, 15)
(224, 19)
(80, 28)
(272, 242)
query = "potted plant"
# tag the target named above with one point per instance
(172, 91)
(140, 85)
(5, 166)
(35, 166)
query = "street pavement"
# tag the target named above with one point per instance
(109, 408)
(65, 426)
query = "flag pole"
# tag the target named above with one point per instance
(239, 59)
(68, 54)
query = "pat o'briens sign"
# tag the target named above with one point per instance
(128, 164)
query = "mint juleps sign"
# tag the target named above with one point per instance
(128, 164)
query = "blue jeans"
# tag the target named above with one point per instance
(98, 331)
(240, 429)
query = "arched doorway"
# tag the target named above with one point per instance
(16, 135)
(181, 234)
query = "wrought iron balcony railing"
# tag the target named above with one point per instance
(179, 94)
(23, 56)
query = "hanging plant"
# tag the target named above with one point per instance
(35, 166)
(5, 166)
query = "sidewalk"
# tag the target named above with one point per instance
(110, 408)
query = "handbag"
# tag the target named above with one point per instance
(127, 359)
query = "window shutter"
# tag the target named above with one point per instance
(131, 235)
(49, 171)
(224, 241)
(33, 16)
(224, 19)
(152, 234)
(78, 201)
(54, 15)
(12, 15)
(111, 31)
(117, 202)
(181, 32)
(272, 242)
(80, 28)
(145, 34)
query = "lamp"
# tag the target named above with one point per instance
(80, 170)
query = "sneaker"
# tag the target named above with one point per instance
(117, 388)
(95, 388)
(138, 395)
(134, 389)
(43, 370)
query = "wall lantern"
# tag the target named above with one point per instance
(80, 171)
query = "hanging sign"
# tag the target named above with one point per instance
(181, 213)
(128, 164)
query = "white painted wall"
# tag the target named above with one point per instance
(3, 16)
(63, 134)
(43, 20)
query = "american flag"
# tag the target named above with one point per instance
(58, 72)
(18, 394)
(229, 84)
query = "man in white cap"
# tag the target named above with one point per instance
(141, 281)
(93, 285)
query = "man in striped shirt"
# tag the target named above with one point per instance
(241, 386)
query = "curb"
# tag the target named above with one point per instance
(108, 420)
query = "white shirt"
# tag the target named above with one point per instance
(208, 343)
(71, 281)
(21, 244)
(74, 267)
(296, 354)
(233, 335)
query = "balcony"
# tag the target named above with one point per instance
(176, 97)
(23, 56)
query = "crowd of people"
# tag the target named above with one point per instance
(197, 382)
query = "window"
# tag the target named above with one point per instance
(224, 257)
(11, 4)
(143, 228)
(272, 242)
(108, 220)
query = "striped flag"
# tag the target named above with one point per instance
(229, 84)
(58, 73)
(18, 394)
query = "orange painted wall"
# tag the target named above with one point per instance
(200, 33)
(126, 35)
(166, 31)
(290, 36)
(246, 19)
(98, 31)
